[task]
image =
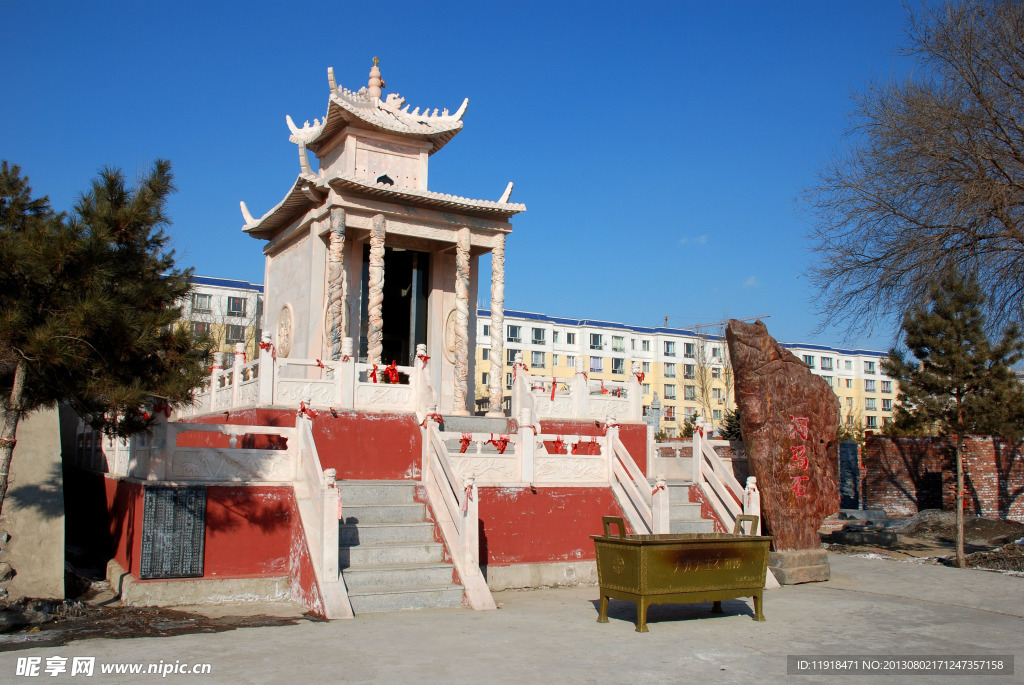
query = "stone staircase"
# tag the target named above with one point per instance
(684, 515)
(389, 558)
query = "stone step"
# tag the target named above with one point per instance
(698, 526)
(684, 512)
(405, 598)
(391, 553)
(376, 492)
(378, 533)
(383, 513)
(476, 424)
(379, 578)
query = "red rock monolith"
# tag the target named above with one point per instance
(790, 420)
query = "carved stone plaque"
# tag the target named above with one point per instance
(173, 532)
(285, 326)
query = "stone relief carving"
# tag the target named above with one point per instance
(285, 326)
(487, 469)
(291, 391)
(337, 282)
(449, 337)
(497, 377)
(396, 396)
(462, 320)
(231, 465)
(375, 304)
(560, 469)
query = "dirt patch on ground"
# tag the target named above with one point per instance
(47, 623)
(934, 524)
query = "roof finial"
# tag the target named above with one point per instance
(376, 82)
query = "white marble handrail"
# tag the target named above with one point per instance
(727, 497)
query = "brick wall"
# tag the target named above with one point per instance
(905, 475)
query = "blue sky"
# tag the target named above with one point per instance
(659, 147)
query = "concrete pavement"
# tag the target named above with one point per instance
(870, 606)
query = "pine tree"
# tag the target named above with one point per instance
(88, 305)
(958, 382)
(731, 426)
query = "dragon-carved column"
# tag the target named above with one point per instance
(462, 322)
(375, 304)
(497, 327)
(337, 284)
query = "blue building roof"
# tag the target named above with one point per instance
(228, 283)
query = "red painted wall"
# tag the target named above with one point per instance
(361, 446)
(124, 504)
(633, 436)
(249, 531)
(519, 526)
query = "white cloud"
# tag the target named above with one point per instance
(751, 282)
(699, 240)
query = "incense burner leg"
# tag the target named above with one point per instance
(716, 608)
(641, 615)
(758, 606)
(602, 616)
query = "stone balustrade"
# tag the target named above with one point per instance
(575, 398)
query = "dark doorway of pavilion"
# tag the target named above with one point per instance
(406, 287)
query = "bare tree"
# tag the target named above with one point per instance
(933, 177)
(703, 378)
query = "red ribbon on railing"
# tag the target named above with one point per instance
(333, 411)
(515, 369)
(146, 416)
(584, 374)
(373, 374)
(304, 410)
(604, 391)
(659, 487)
(435, 417)
(245, 358)
(639, 376)
(700, 431)
(606, 426)
(320, 364)
(392, 372)
(162, 408)
(345, 357)
(554, 384)
(501, 443)
(269, 346)
(465, 500)
(464, 442)
(423, 358)
(576, 445)
(559, 444)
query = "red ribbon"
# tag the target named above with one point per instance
(146, 416)
(515, 369)
(269, 346)
(423, 358)
(464, 442)
(163, 408)
(435, 417)
(639, 376)
(320, 363)
(392, 372)
(603, 390)
(303, 409)
(373, 374)
(345, 357)
(700, 430)
(576, 445)
(660, 487)
(554, 384)
(469, 496)
(559, 444)
(501, 443)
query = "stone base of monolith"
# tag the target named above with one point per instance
(795, 566)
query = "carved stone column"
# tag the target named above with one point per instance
(497, 381)
(337, 282)
(375, 305)
(462, 322)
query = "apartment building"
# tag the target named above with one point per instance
(688, 371)
(230, 311)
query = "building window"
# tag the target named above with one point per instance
(672, 432)
(849, 419)
(870, 404)
(670, 348)
(632, 344)
(826, 363)
(554, 337)
(236, 306)
(827, 379)
(849, 382)
(670, 392)
(716, 352)
(483, 378)
(596, 365)
(718, 394)
(554, 360)
(618, 343)
(201, 302)
(869, 367)
(645, 345)
(538, 337)
(689, 350)
(670, 413)
(809, 360)
(849, 365)
(716, 414)
(869, 385)
(200, 328)
(689, 412)
(872, 421)
(570, 338)
(235, 334)
(515, 334)
(886, 405)
(689, 372)
(887, 386)
(645, 367)
(690, 393)
(646, 389)
(537, 360)
(596, 341)
(618, 366)
(487, 330)
(570, 361)
(486, 353)
(510, 356)
(849, 401)
(670, 370)
(716, 372)
(508, 381)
